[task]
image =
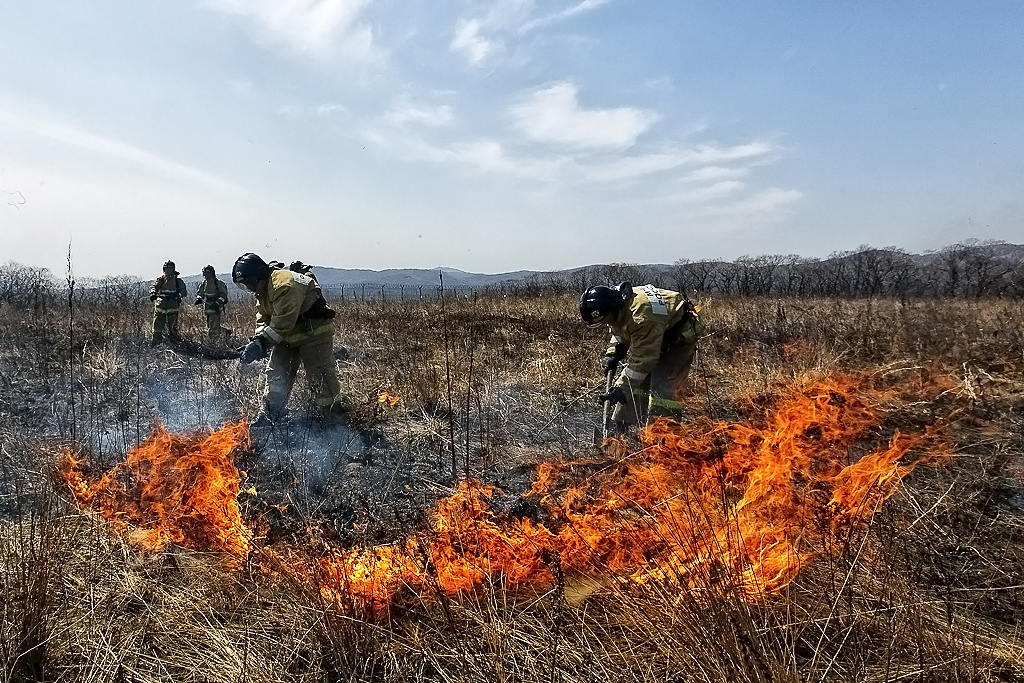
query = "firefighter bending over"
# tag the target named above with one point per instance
(166, 293)
(655, 331)
(212, 295)
(293, 325)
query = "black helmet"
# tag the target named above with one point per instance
(249, 265)
(299, 267)
(169, 265)
(598, 302)
(209, 269)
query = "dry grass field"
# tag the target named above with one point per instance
(843, 502)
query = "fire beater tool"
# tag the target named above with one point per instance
(601, 436)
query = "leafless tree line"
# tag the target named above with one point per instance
(969, 269)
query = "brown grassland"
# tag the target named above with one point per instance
(928, 588)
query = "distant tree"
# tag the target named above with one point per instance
(767, 269)
(950, 264)
(24, 286)
(836, 276)
(695, 276)
(726, 278)
(637, 274)
(984, 273)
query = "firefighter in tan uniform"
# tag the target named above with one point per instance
(212, 295)
(166, 293)
(655, 331)
(293, 325)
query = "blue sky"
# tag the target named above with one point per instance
(503, 134)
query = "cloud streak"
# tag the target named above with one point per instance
(113, 150)
(433, 117)
(568, 13)
(553, 114)
(322, 29)
(480, 37)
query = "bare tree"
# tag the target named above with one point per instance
(983, 271)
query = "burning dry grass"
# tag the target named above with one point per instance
(783, 536)
(171, 489)
(749, 504)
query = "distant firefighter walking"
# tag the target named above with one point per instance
(166, 293)
(655, 332)
(293, 325)
(212, 295)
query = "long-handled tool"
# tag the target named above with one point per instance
(601, 435)
(607, 405)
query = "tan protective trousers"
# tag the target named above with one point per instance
(165, 322)
(659, 393)
(317, 359)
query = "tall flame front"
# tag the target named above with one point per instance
(750, 502)
(172, 488)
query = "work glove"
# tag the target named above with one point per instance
(616, 395)
(616, 352)
(253, 351)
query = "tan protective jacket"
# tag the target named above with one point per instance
(650, 314)
(213, 294)
(284, 297)
(169, 294)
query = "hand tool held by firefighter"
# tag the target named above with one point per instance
(610, 361)
(253, 351)
(616, 395)
(600, 438)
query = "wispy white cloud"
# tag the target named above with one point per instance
(715, 173)
(553, 114)
(434, 117)
(485, 33)
(469, 42)
(112, 150)
(694, 175)
(703, 194)
(706, 156)
(568, 13)
(318, 28)
(329, 109)
(555, 141)
(481, 36)
(485, 155)
(771, 203)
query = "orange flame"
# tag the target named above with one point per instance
(171, 489)
(385, 397)
(750, 504)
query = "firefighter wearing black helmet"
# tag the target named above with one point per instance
(655, 331)
(293, 325)
(166, 293)
(212, 295)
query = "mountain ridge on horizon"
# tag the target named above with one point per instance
(329, 276)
